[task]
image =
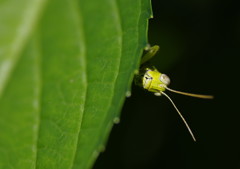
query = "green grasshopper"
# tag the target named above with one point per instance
(152, 80)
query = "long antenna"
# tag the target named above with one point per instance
(191, 94)
(185, 122)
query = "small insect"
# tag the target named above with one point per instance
(152, 80)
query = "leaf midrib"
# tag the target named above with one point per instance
(30, 20)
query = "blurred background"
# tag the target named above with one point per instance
(199, 43)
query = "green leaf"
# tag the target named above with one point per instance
(65, 69)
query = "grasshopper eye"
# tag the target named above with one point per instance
(165, 79)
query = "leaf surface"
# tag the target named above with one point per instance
(64, 79)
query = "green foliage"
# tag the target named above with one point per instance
(65, 68)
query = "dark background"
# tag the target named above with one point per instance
(199, 43)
